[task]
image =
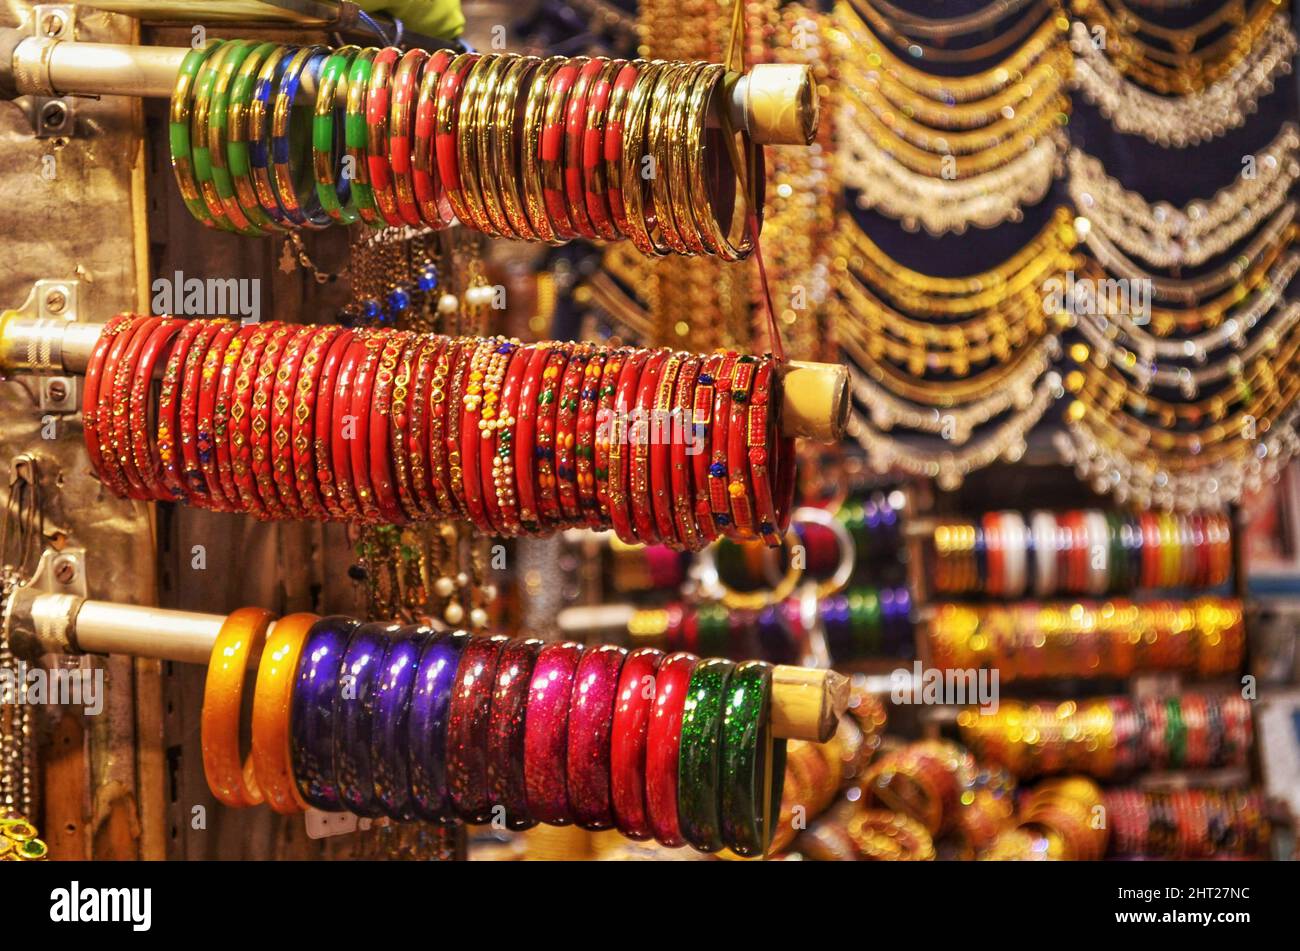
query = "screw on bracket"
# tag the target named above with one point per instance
(52, 24)
(56, 301)
(65, 570)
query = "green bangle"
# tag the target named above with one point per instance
(699, 761)
(237, 153)
(712, 630)
(218, 120)
(200, 146)
(335, 195)
(871, 618)
(1118, 564)
(356, 137)
(751, 780)
(1175, 732)
(178, 132)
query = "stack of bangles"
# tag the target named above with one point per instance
(512, 146)
(287, 421)
(1205, 637)
(1113, 737)
(1058, 822)
(404, 722)
(1187, 823)
(1006, 554)
(875, 526)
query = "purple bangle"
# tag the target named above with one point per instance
(312, 709)
(358, 680)
(546, 732)
(776, 642)
(390, 738)
(839, 630)
(427, 723)
(591, 721)
(505, 765)
(468, 722)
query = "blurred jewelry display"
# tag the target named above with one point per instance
(20, 547)
(1057, 823)
(1188, 823)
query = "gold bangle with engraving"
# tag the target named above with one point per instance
(505, 139)
(530, 157)
(635, 188)
(467, 142)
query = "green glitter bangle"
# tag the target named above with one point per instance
(699, 761)
(751, 794)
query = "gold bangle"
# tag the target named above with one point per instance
(678, 157)
(271, 696)
(486, 132)
(467, 124)
(530, 171)
(505, 138)
(675, 78)
(690, 166)
(231, 781)
(635, 188)
(733, 239)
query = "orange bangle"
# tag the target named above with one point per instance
(271, 696)
(242, 633)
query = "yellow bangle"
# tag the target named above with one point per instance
(271, 696)
(240, 636)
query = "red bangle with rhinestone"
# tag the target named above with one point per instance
(608, 389)
(451, 440)
(399, 428)
(440, 401)
(575, 131)
(123, 377)
(566, 429)
(446, 137)
(259, 423)
(546, 732)
(620, 446)
(702, 463)
(360, 407)
(377, 112)
(627, 752)
(493, 418)
(594, 184)
(283, 390)
(548, 505)
(90, 394)
(420, 361)
(112, 472)
(739, 489)
(505, 450)
(383, 464)
(641, 433)
(689, 438)
(719, 500)
(323, 425)
(343, 426)
(435, 209)
(192, 434)
(169, 409)
(233, 428)
(584, 450)
(505, 748)
(401, 126)
(306, 400)
(469, 410)
(665, 432)
(205, 475)
(144, 448)
(758, 438)
(663, 743)
(551, 147)
(591, 722)
(612, 146)
(526, 437)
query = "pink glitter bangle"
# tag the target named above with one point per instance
(591, 721)
(546, 732)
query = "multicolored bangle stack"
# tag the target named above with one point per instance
(1058, 822)
(1113, 737)
(411, 723)
(1006, 554)
(1187, 823)
(513, 146)
(302, 421)
(1117, 638)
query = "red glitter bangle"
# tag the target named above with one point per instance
(148, 462)
(169, 408)
(526, 437)
(410, 439)
(566, 427)
(706, 384)
(359, 407)
(505, 746)
(470, 411)
(239, 379)
(302, 429)
(499, 479)
(548, 506)
(401, 126)
(627, 753)
(663, 743)
(323, 425)
(612, 150)
(383, 464)
(693, 441)
(440, 402)
(260, 425)
(377, 112)
(739, 489)
(585, 450)
(665, 432)
(448, 131)
(594, 184)
(620, 450)
(123, 378)
(719, 499)
(606, 392)
(546, 732)
(91, 386)
(343, 427)
(641, 432)
(469, 722)
(551, 147)
(591, 721)
(435, 209)
(575, 129)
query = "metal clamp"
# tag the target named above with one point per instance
(51, 115)
(46, 313)
(44, 610)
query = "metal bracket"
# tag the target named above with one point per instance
(51, 116)
(52, 304)
(43, 625)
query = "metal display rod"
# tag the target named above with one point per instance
(814, 396)
(806, 703)
(776, 103)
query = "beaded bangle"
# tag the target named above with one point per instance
(591, 720)
(363, 381)
(494, 418)
(430, 706)
(718, 479)
(665, 432)
(566, 425)
(752, 766)
(469, 724)
(418, 369)
(390, 736)
(448, 129)
(435, 209)
(739, 488)
(96, 382)
(312, 717)
(377, 120)
(363, 666)
(611, 150)
(506, 733)
(526, 437)
(401, 127)
(242, 634)
(170, 400)
(585, 449)
(382, 461)
(546, 732)
(478, 380)
(145, 451)
(356, 136)
(272, 696)
(548, 506)
(122, 378)
(663, 744)
(576, 111)
(628, 739)
(500, 481)
(260, 424)
(333, 189)
(551, 146)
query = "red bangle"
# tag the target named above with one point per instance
(205, 435)
(440, 401)
(233, 419)
(663, 743)
(993, 549)
(401, 125)
(1079, 555)
(400, 402)
(548, 505)
(505, 749)
(169, 408)
(302, 427)
(360, 407)
(627, 753)
(705, 386)
(546, 732)
(641, 432)
(493, 419)
(773, 471)
(383, 462)
(283, 395)
(501, 481)
(604, 430)
(739, 489)
(377, 110)
(594, 183)
(435, 209)
(455, 401)
(667, 432)
(123, 379)
(343, 426)
(591, 721)
(719, 500)
(566, 427)
(323, 427)
(144, 449)
(470, 411)
(551, 148)
(613, 144)
(693, 441)
(585, 450)
(526, 437)
(620, 448)
(194, 438)
(446, 137)
(418, 365)
(90, 396)
(575, 130)
(260, 423)
(469, 721)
